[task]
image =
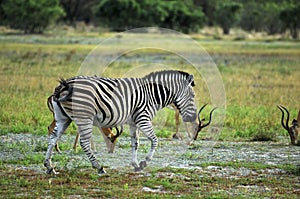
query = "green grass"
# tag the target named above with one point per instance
(257, 76)
(19, 183)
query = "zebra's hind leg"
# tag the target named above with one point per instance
(60, 127)
(85, 130)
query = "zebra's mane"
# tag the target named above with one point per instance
(152, 75)
(62, 83)
(167, 72)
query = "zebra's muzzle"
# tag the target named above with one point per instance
(189, 118)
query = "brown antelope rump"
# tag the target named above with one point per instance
(292, 130)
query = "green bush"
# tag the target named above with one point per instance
(262, 17)
(127, 14)
(31, 16)
(227, 14)
(291, 18)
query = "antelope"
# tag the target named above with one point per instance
(294, 129)
(200, 121)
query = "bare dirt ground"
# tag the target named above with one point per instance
(170, 153)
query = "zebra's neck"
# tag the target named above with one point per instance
(156, 97)
(164, 86)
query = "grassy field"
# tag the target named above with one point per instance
(257, 76)
(163, 183)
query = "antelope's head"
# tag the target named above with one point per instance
(201, 124)
(292, 130)
(113, 138)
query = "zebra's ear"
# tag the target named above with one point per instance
(190, 80)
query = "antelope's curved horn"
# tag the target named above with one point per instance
(282, 116)
(119, 132)
(285, 126)
(199, 119)
(200, 127)
(298, 118)
(210, 115)
(287, 118)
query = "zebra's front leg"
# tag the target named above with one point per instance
(47, 162)
(147, 129)
(60, 127)
(134, 145)
(85, 131)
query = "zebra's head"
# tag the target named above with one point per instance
(185, 100)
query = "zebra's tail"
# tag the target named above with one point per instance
(63, 92)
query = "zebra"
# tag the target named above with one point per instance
(109, 102)
(108, 136)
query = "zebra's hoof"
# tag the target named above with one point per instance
(51, 171)
(101, 171)
(137, 169)
(175, 136)
(143, 164)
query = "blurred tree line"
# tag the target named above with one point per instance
(271, 16)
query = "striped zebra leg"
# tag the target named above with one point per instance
(147, 129)
(85, 128)
(60, 127)
(134, 144)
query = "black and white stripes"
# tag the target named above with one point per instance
(109, 102)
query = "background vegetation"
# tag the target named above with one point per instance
(271, 16)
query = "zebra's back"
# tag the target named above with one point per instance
(109, 101)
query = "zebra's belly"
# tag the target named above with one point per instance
(101, 122)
